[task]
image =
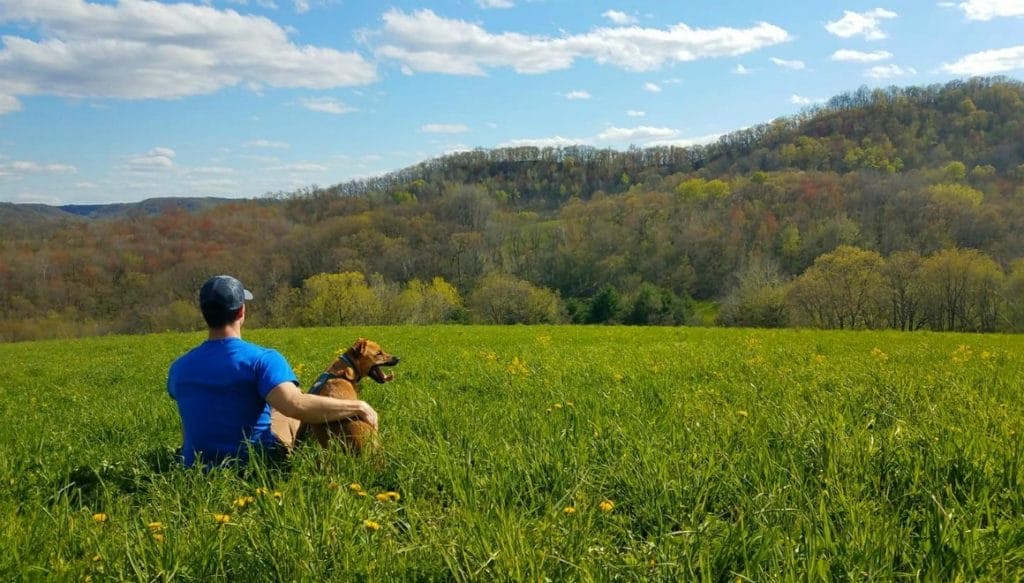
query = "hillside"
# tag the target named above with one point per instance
(901, 184)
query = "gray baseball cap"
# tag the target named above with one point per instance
(223, 292)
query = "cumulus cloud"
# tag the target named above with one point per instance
(652, 87)
(989, 9)
(801, 100)
(619, 18)
(847, 55)
(422, 41)
(741, 70)
(636, 113)
(578, 95)
(889, 71)
(444, 128)
(496, 3)
(326, 105)
(988, 62)
(261, 143)
(794, 65)
(640, 134)
(25, 167)
(552, 142)
(142, 49)
(9, 103)
(154, 160)
(866, 24)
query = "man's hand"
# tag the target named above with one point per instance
(292, 402)
(368, 414)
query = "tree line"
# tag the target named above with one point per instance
(740, 232)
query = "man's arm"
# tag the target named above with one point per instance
(292, 402)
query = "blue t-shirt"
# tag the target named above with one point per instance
(221, 389)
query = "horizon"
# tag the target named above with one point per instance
(107, 102)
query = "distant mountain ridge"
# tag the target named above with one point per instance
(147, 207)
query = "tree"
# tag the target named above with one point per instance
(503, 299)
(759, 298)
(339, 299)
(961, 290)
(843, 289)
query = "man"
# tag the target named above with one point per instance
(233, 395)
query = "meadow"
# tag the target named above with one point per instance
(533, 453)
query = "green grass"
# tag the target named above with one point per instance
(728, 454)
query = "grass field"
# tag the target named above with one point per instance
(527, 453)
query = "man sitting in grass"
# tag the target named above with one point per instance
(233, 395)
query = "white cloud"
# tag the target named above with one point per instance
(619, 18)
(25, 167)
(305, 167)
(552, 142)
(989, 9)
(443, 128)
(741, 70)
(988, 62)
(578, 95)
(301, 6)
(889, 71)
(794, 65)
(422, 41)
(265, 144)
(142, 49)
(496, 3)
(652, 87)
(9, 103)
(326, 105)
(153, 160)
(640, 134)
(636, 113)
(801, 100)
(866, 24)
(847, 55)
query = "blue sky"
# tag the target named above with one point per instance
(118, 101)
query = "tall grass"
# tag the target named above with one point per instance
(526, 453)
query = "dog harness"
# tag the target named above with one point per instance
(325, 376)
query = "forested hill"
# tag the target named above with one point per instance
(892, 190)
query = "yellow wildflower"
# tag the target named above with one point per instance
(517, 366)
(388, 497)
(742, 413)
(244, 501)
(606, 505)
(877, 353)
(155, 526)
(355, 487)
(278, 495)
(371, 524)
(221, 518)
(100, 517)
(569, 510)
(158, 537)
(261, 491)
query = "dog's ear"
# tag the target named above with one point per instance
(360, 346)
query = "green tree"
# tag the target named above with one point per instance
(339, 299)
(503, 299)
(843, 289)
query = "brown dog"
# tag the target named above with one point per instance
(341, 381)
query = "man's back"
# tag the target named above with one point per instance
(221, 388)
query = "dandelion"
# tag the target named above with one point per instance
(742, 414)
(617, 377)
(299, 369)
(221, 518)
(820, 358)
(569, 510)
(278, 495)
(606, 506)
(244, 501)
(371, 524)
(517, 366)
(557, 406)
(543, 340)
(388, 497)
(100, 517)
(962, 354)
(261, 491)
(155, 526)
(355, 487)
(877, 353)
(491, 355)
(158, 537)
